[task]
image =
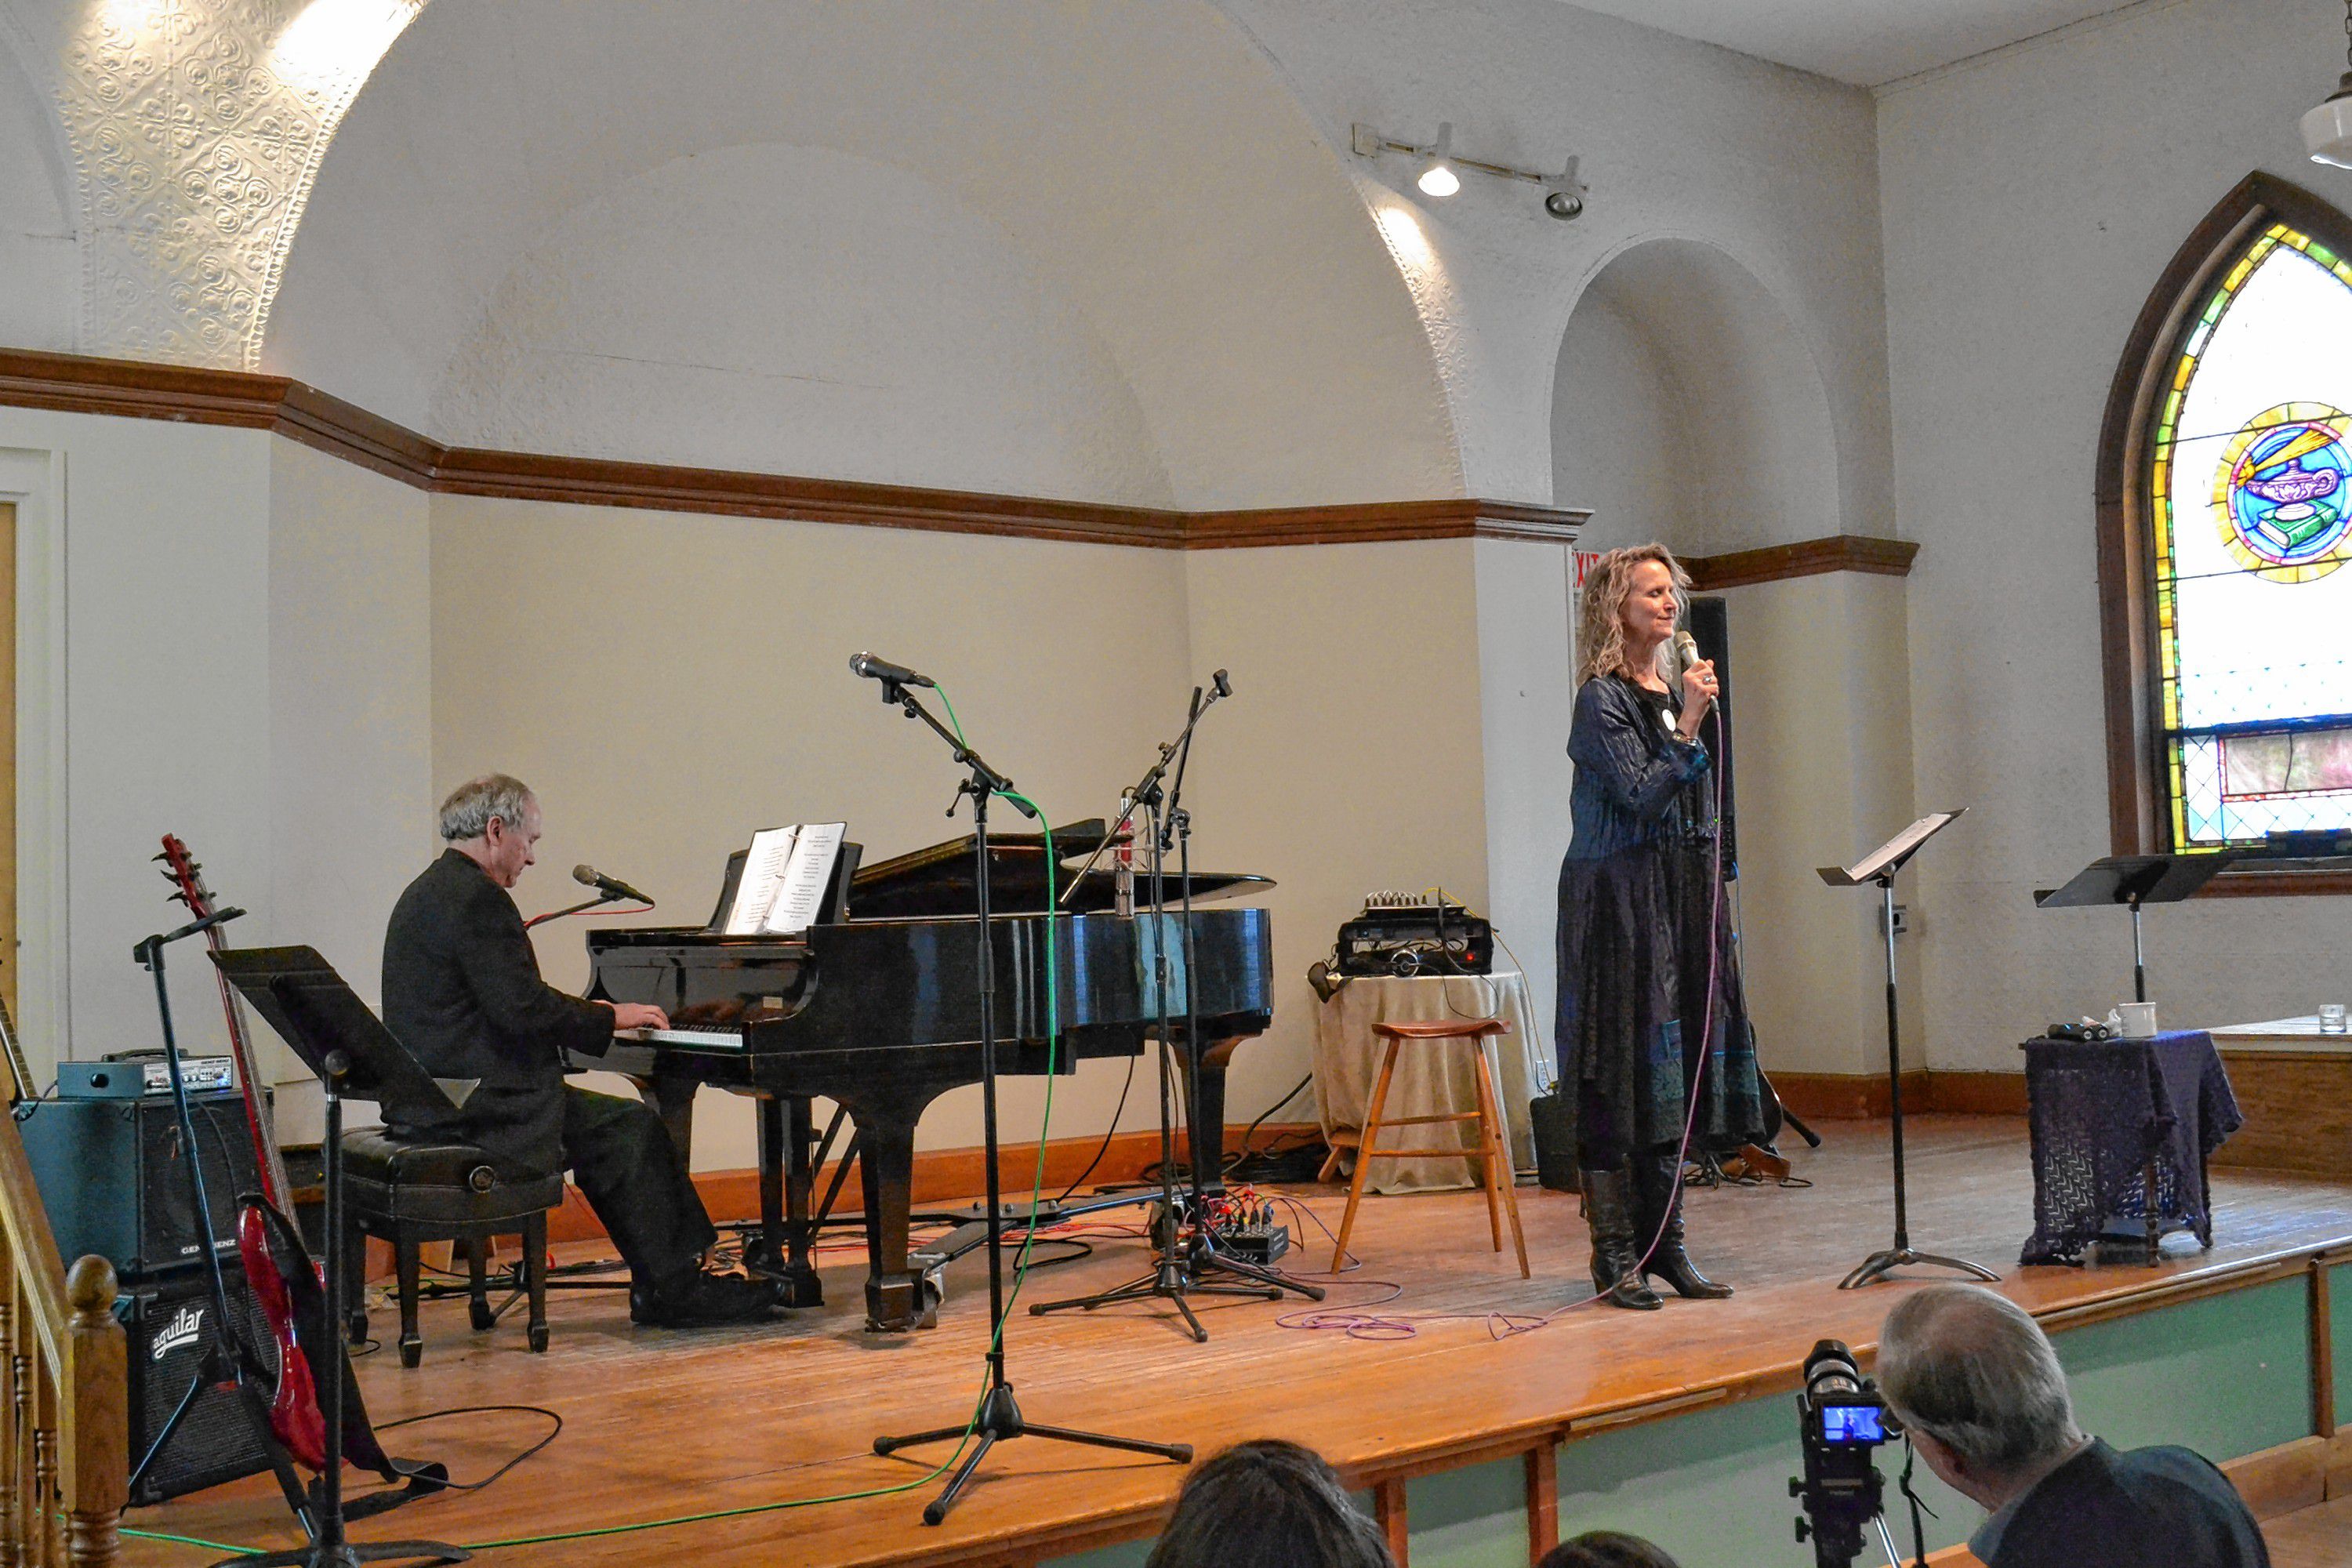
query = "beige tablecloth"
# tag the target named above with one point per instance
(1431, 1080)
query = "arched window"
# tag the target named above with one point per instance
(2225, 513)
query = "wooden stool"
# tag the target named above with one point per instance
(1490, 1155)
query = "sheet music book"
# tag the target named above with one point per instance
(785, 874)
(1891, 853)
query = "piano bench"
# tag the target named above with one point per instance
(412, 1190)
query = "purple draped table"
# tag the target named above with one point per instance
(2121, 1128)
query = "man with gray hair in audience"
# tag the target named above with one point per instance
(1978, 1389)
(462, 991)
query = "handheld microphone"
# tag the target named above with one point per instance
(612, 887)
(1685, 653)
(874, 669)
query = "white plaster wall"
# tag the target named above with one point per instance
(350, 693)
(1350, 758)
(1143, 155)
(1822, 745)
(1620, 440)
(2031, 200)
(817, 313)
(166, 728)
(41, 299)
(1527, 663)
(1775, 168)
(670, 683)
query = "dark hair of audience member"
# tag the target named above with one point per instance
(1606, 1549)
(1269, 1504)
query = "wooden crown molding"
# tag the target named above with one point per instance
(137, 390)
(1808, 558)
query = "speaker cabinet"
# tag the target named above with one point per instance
(113, 1175)
(168, 1324)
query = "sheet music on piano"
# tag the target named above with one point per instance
(785, 874)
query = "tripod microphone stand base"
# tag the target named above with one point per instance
(999, 1421)
(350, 1554)
(1881, 1263)
(1168, 1282)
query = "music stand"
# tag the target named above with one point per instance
(2133, 880)
(1880, 866)
(354, 1055)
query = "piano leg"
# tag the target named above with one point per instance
(897, 1298)
(798, 1225)
(1206, 1122)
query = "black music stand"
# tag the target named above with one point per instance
(354, 1055)
(2133, 880)
(999, 1418)
(1880, 866)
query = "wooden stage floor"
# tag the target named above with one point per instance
(659, 1424)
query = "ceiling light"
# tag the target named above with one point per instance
(1440, 168)
(1437, 177)
(2327, 129)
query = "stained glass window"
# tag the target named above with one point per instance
(2250, 497)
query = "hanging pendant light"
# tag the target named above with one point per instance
(2327, 129)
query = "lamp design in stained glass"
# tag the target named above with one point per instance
(2249, 481)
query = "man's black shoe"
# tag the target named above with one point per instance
(695, 1300)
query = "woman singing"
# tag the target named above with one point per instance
(1644, 963)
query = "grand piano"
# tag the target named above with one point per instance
(877, 1010)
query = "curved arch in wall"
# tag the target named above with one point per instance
(1686, 408)
(1168, 199)
(38, 233)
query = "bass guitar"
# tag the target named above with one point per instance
(287, 1285)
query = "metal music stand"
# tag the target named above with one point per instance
(1880, 866)
(2133, 880)
(354, 1056)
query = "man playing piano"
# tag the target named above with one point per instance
(462, 990)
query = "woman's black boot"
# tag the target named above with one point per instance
(1616, 1254)
(1660, 1178)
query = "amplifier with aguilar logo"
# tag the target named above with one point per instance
(168, 1326)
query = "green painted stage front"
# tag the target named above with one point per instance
(2227, 1375)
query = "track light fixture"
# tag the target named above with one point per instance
(1563, 193)
(2327, 129)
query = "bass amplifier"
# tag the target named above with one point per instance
(113, 1175)
(1415, 933)
(168, 1325)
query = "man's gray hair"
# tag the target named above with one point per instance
(467, 813)
(1974, 1370)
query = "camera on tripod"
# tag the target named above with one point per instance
(1841, 1421)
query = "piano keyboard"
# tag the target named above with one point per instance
(688, 1039)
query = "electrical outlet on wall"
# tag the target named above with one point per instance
(1904, 920)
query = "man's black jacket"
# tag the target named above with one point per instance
(462, 992)
(2147, 1508)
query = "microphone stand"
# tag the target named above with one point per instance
(999, 1418)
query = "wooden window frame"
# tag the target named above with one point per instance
(2139, 818)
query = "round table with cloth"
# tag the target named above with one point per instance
(1430, 1079)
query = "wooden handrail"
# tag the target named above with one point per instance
(64, 1394)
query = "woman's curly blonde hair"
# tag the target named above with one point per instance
(1601, 617)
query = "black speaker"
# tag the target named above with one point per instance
(168, 1324)
(113, 1175)
(1710, 627)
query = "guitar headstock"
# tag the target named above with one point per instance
(187, 874)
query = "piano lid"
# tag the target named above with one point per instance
(937, 880)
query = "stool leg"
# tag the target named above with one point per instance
(534, 1275)
(1498, 1143)
(1366, 1142)
(478, 1279)
(404, 1262)
(1485, 1154)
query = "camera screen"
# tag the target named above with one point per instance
(1852, 1423)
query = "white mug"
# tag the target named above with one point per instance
(2140, 1020)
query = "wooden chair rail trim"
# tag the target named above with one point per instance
(135, 389)
(1807, 558)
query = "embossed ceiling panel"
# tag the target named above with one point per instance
(194, 129)
(1142, 154)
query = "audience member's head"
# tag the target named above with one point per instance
(1975, 1382)
(1606, 1549)
(1269, 1504)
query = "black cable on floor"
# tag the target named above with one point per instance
(553, 1432)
